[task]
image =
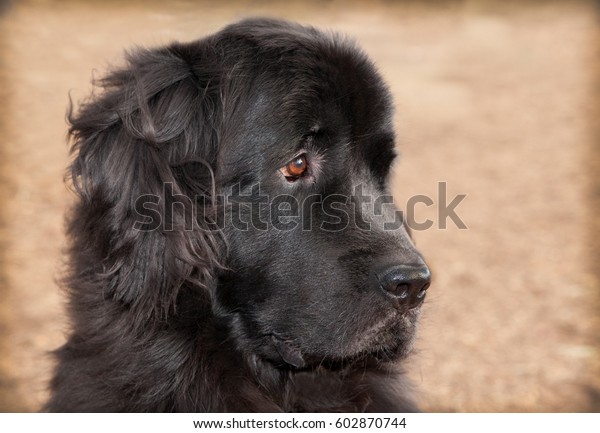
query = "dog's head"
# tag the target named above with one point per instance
(250, 169)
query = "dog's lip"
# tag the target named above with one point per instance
(367, 344)
(371, 333)
(288, 351)
(375, 341)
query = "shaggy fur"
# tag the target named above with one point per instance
(176, 308)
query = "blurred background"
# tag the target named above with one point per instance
(500, 99)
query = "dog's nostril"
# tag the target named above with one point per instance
(423, 290)
(401, 291)
(406, 283)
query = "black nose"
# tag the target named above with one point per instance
(406, 283)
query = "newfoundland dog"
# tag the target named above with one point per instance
(234, 246)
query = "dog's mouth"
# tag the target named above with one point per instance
(289, 352)
(388, 340)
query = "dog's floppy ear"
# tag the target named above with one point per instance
(143, 149)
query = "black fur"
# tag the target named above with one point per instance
(206, 316)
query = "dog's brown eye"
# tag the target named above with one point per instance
(296, 168)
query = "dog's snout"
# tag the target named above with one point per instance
(406, 283)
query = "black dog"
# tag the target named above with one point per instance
(229, 248)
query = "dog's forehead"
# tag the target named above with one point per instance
(302, 68)
(299, 80)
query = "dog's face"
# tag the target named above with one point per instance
(294, 129)
(320, 268)
(233, 224)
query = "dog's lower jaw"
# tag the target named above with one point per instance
(323, 390)
(367, 385)
(275, 375)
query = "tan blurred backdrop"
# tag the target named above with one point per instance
(498, 99)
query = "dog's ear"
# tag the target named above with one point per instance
(144, 149)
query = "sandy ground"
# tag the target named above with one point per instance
(497, 101)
